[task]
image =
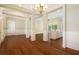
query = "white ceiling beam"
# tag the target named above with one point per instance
(18, 8)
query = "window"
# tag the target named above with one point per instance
(11, 26)
(52, 27)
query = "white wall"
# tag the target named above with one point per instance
(39, 25)
(19, 26)
(72, 26)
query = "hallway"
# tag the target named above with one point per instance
(20, 45)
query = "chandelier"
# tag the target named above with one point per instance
(41, 8)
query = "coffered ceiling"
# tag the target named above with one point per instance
(30, 8)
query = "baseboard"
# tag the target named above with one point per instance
(15, 34)
(72, 51)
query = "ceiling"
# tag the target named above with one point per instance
(31, 7)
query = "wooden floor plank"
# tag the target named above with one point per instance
(20, 45)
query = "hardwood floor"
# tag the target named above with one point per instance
(20, 45)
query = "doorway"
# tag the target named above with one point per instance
(55, 32)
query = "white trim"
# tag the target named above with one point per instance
(64, 27)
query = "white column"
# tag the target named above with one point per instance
(27, 21)
(64, 26)
(2, 29)
(32, 28)
(45, 27)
